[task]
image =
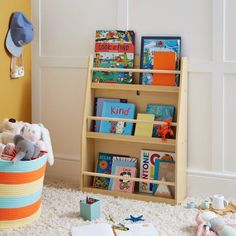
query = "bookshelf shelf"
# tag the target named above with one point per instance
(130, 138)
(136, 87)
(140, 95)
(135, 195)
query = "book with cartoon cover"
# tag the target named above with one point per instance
(117, 110)
(114, 49)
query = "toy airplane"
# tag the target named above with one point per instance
(135, 219)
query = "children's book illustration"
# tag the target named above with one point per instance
(122, 185)
(150, 45)
(104, 165)
(147, 166)
(114, 49)
(121, 161)
(117, 110)
(162, 113)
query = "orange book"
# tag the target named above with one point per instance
(164, 61)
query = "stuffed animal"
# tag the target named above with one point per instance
(39, 135)
(8, 129)
(209, 224)
(25, 150)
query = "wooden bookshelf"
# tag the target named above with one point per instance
(140, 95)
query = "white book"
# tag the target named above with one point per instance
(100, 229)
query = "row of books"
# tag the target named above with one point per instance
(153, 165)
(119, 108)
(116, 48)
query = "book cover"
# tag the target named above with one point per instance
(99, 106)
(164, 170)
(152, 44)
(124, 161)
(147, 166)
(114, 49)
(104, 165)
(124, 185)
(117, 110)
(164, 61)
(161, 112)
(144, 129)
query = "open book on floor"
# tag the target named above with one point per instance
(104, 229)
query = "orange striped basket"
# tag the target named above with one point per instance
(21, 187)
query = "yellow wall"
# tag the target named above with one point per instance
(15, 94)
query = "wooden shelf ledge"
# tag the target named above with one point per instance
(135, 87)
(136, 70)
(130, 138)
(135, 195)
(128, 178)
(130, 120)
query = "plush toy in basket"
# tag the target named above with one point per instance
(21, 180)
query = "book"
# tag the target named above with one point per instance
(117, 110)
(162, 113)
(152, 44)
(105, 229)
(124, 185)
(147, 166)
(164, 61)
(114, 49)
(104, 165)
(99, 229)
(99, 106)
(124, 161)
(164, 170)
(144, 129)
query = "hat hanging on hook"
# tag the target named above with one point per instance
(21, 32)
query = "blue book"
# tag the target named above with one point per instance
(164, 170)
(103, 166)
(161, 112)
(117, 110)
(123, 161)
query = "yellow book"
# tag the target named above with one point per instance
(144, 129)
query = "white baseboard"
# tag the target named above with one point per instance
(207, 183)
(200, 183)
(67, 170)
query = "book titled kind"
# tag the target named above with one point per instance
(117, 110)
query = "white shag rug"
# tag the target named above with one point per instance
(60, 211)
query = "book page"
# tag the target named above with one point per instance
(93, 229)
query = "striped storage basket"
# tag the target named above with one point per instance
(21, 187)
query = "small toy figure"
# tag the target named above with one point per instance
(163, 130)
(135, 219)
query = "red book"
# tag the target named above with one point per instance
(164, 61)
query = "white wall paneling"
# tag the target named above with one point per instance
(65, 32)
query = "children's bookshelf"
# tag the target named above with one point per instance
(141, 95)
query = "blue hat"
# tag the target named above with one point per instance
(21, 32)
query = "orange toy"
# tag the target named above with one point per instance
(163, 130)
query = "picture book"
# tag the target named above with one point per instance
(152, 44)
(144, 129)
(147, 166)
(99, 106)
(99, 229)
(104, 165)
(162, 113)
(164, 61)
(164, 170)
(123, 161)
(105, 229)
(124, 185)
(117, 110)
(114, 49)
